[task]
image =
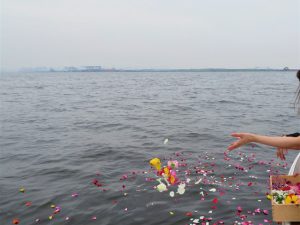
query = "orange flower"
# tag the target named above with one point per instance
(172, 179)
(291, 199)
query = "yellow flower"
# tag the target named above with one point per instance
(291, 199)
(156, 163)
(166, 171)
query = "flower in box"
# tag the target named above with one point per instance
(291, 199)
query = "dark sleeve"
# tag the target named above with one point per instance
(293, 135)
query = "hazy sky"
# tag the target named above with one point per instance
(150, 33)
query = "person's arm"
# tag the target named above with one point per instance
(278, 142)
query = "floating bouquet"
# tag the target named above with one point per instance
(284, 192)
(167, 176)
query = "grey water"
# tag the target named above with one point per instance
(59, 131)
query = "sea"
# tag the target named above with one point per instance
(75, 147)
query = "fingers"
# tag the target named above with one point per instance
(237, 135)
(235, 145)
(281, 153)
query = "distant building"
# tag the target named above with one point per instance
(70, 69)
(286, 69)
(92, 68)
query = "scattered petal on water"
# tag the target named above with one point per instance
(215, 200)
(239, 209)
(198, 181)
(16, 221)
(28, 203)
(166, 141)
(265, 211)
(189, 214)
(74, 195)
(196, 221)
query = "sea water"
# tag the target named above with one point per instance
(62, 132)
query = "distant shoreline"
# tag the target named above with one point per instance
(51, 70)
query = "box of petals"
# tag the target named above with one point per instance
(285, 198)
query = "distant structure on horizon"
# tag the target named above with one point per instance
(64, 69)
(100, 69)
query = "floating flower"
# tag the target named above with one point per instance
(172, 194)
(172, 179)
(166, 172)
(173, 164)
(181, 188)
(291, 199)
(161, 187)
(156, 163)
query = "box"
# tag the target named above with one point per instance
(283, 212)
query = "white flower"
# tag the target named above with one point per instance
(213, 190)
(161, 187)
(181, 188)
(172, 194)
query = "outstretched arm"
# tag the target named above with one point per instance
(278, 142)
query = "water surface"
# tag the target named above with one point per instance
(60, 131)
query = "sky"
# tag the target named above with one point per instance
(150, 33)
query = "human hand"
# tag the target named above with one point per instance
(243, 138)
(281, 153)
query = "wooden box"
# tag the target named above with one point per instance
(283, 212)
